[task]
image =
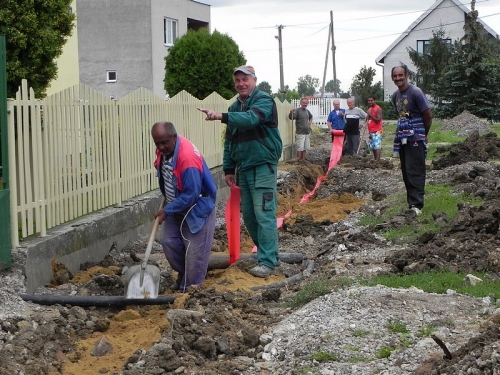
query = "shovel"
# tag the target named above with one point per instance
(143, 281)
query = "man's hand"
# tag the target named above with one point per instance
(211, 115)
(162, 215)
(229, 178)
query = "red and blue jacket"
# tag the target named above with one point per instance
(194, 186)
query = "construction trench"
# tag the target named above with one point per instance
(100, 287)
(81, 324)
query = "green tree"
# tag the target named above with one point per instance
(289, 94)
(292, 94)
(201, 63)
(431, 64)
(330, 86)
(307, 85)
(36, 31)
(265, 86)
(472, 80)
(362, 87)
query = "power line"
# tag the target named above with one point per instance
(366, 18)
(373, 37)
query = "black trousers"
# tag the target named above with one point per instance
(412, 157)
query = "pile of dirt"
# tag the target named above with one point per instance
(474, 148)
(465, 124)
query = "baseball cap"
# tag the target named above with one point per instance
(246, 69)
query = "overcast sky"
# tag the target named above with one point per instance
(363, 29)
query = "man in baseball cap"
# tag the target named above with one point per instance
(245, 69)
(252, 149)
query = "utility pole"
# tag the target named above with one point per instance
(282, 82)
(326, 63)
(333, 57)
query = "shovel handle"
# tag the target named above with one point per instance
(152, 237)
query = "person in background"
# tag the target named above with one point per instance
(374, 125)
(252, 149)
(414, 123)
(336, 120)
(303, 120)
(353, 116)
(189, 214)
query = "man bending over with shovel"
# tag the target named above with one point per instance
(189, 214)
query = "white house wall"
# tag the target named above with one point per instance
(115, 36)
(126, 36)
(447, 14)
(179, 10)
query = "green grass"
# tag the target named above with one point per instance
(357, 359)
(310, 291)
(397, 327)
(388, 140)
(427, 330)
(438, 199)
(495, 128)
(351, 348)
(436, 138)
(384, 352)
(360, 333)
(317, 288)
(438, 282)
(324, 357)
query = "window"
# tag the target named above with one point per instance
(424, 45)
(170, 29)
(110, 75)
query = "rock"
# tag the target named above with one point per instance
(472, 280)
(102, 347)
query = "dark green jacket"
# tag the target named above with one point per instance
(252, 135)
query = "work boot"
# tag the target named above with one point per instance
(177, 285)
(261, 271)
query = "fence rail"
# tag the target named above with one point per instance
(78, 151)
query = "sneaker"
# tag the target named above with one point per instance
(261, 271)
(417, 210)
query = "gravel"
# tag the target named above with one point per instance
(353, 325)
(362, 330)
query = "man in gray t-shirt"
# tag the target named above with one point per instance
(303, 121)
(353, 117)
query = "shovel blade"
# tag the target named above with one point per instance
(150, 282)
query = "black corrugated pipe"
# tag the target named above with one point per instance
(98, 301)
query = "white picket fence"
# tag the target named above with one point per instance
(78, 151)
(320, 109)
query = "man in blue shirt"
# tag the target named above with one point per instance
(336, 119)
